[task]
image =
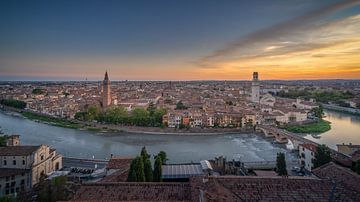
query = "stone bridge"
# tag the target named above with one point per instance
(282, 136)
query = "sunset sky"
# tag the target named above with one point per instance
(179, 39)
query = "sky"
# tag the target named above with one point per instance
(179, 39)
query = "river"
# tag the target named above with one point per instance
(345, 128)
(246, 147)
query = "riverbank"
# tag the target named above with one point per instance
(319, 127)
(111, 129)
(342, 109)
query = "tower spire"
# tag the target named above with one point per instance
(106, 76)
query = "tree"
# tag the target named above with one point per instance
(180, 105)
(162, 156)
(151, 108)
(92, 113)
(38, 91)
(132, 172)
(3, 140)
(136, 172)
(13, 103)
(140, 117)
(281, 164)
(8, 198)
(144, 155)
(318, 111)
(147, 165)
(357, 167)
(53, 190)
(322, 155)
(148, 170)
(157, 169)
(140, 175)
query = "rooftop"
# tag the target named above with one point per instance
(18, 150)
(119, 163)
(343, 177)
(133, 191)
(181, 171)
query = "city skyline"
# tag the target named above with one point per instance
(180, 40)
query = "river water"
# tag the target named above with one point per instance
(245, 147)
(345, 128)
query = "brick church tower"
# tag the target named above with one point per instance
(106, 97)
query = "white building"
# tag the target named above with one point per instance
(307, 155)
(22, 166)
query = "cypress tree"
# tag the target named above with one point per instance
(147, 165)
(157, 169)
(132, 172)
(148, 170)
(163, 157)
(322, 155)
(144, 154)
(281, 164)
(140, 169)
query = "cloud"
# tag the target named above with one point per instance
(295, 35)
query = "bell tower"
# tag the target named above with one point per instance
(255, 88)
(106, 97)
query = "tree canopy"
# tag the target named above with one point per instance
(323, 96)
(322, 155)
(158, 169)
(13, 103)
(162, 156)
(180, 105)
(119, 115)
(3, 140)
(281, 164)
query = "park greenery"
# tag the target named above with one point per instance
(141, 169)
(322, 155)
(119, 115)
(180, 106)
(8, 198)
(38, 91)
(13, 103)
(317, 112)
(3, 140)
(319, 126)
(51, 120)
(323, 96)
(56, 189)
(281, 164)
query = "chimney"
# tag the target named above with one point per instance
(13, 140)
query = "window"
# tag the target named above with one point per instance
(23, 162)
(14, 162)
(7, 178)
(42, 157)
(5, 162)
(12, 177)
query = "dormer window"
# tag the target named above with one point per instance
(42, 156)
